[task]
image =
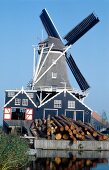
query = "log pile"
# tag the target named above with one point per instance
(62, 127)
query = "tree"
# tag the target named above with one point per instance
(13, 152)
(104, 116)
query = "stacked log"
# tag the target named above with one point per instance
(62, 127)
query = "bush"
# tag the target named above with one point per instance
(1, 131)
(13, 152)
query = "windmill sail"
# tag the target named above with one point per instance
(76, 72)
(71, 38)
(81, 29)
(48, 24)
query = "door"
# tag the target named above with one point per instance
(51, 112)
(70, 113)
(80, 115)
(18, 113)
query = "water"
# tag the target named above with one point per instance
(66, 160)
(68, 164)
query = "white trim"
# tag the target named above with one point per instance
(83, 116)
(68, 89)
(74, 113)
(38, 97)
(11, 93)
(12, 90)
(7, 116)
(43, 62)
(28, 117)
(31, 95)
(30, 99)
(80, 111)
(34, 60)
(70, 111)
(70, 94)
(7, 110)
(7, 113)
(49, 109)
(46, 97)
(37, 68)
(80, 101)
(58, 103)
(56, 52)
(13, 98)
(21, 91)
(71, 104)
(50, 99)
(29, 111)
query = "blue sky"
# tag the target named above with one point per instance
(20, 28)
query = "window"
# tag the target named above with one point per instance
(11, 93)
(71, 104)
(31, 95)
(54, 75)
(17, 101)
(53, 61)
(24, 102)
(57, 103)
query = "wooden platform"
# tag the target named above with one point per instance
(68, 145)
(41, 153)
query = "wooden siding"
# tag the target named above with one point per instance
(64, 97)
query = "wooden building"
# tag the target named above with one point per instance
(98, 122)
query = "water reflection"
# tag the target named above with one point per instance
(72, 163)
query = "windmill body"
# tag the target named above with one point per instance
(51, 71)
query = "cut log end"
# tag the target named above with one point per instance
(58, 136)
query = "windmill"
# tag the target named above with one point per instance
(54, 54)
(50, 92)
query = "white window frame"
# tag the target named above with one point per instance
(57, 103)
(75, 113)
(54, 75)
(71, 104)
(24, 102)
(17, 101)
(49, 109)
(31, 95)
(11, 93)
